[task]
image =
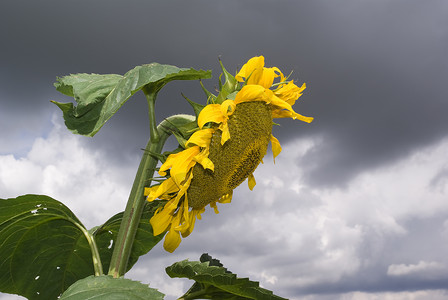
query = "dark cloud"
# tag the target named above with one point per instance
(375, 72)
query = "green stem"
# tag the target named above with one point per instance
(136, 201)
(151, 99)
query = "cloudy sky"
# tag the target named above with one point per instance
(356, 205)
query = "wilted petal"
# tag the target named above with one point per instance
(276, 147)
(251, 181)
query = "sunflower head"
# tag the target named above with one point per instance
(231, 138)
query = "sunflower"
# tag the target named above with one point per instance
(231, 140)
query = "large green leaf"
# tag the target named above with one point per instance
(145, 240)
(42, 248)
(109, 288)
(213, 281)
(98, 97)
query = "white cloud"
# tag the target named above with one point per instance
(305, 237)
(415, 295)
(422, 268)
(285, 234)
(61, 167)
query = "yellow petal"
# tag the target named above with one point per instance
(226, 198)
(172, 238)
(181, 163)
(166, 187)
(161, 221)
(290, 92)
(254, 72)
(172, 241)
(228, 107)
(251, 181)
(185, 216)
(200, 138)
(176, 159)
(282, 109)
(210, 113)
(267, 77)
(251, 69)
(280, 113)
(205, 162)
(249, 93)
(215, 207)
(192, 221)
(276, 148)
(225, 133)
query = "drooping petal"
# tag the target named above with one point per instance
(210, 113)
(225, 133)
(226, 198)
(179, 161)
(202, 158)
(290, 92)
(228, 107)
(172, 238)
(195, 213)
(200, 138)
(276, 147)
(185, 219)
(251, 181)
(215, 207)
(182, 163)
(166, 187)
(161, 221)
(281, 113)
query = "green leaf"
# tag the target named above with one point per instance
(109, 288)
(215, 282)
(145, 240)
(99, 97)
(42, 248)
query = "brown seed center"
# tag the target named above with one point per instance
(250, 129)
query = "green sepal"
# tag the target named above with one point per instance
(196, 106)
(230, 85)
(211, 98)
(213, 281)
(157, 156)
(232, 96)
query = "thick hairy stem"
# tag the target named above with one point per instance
(134, 208)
